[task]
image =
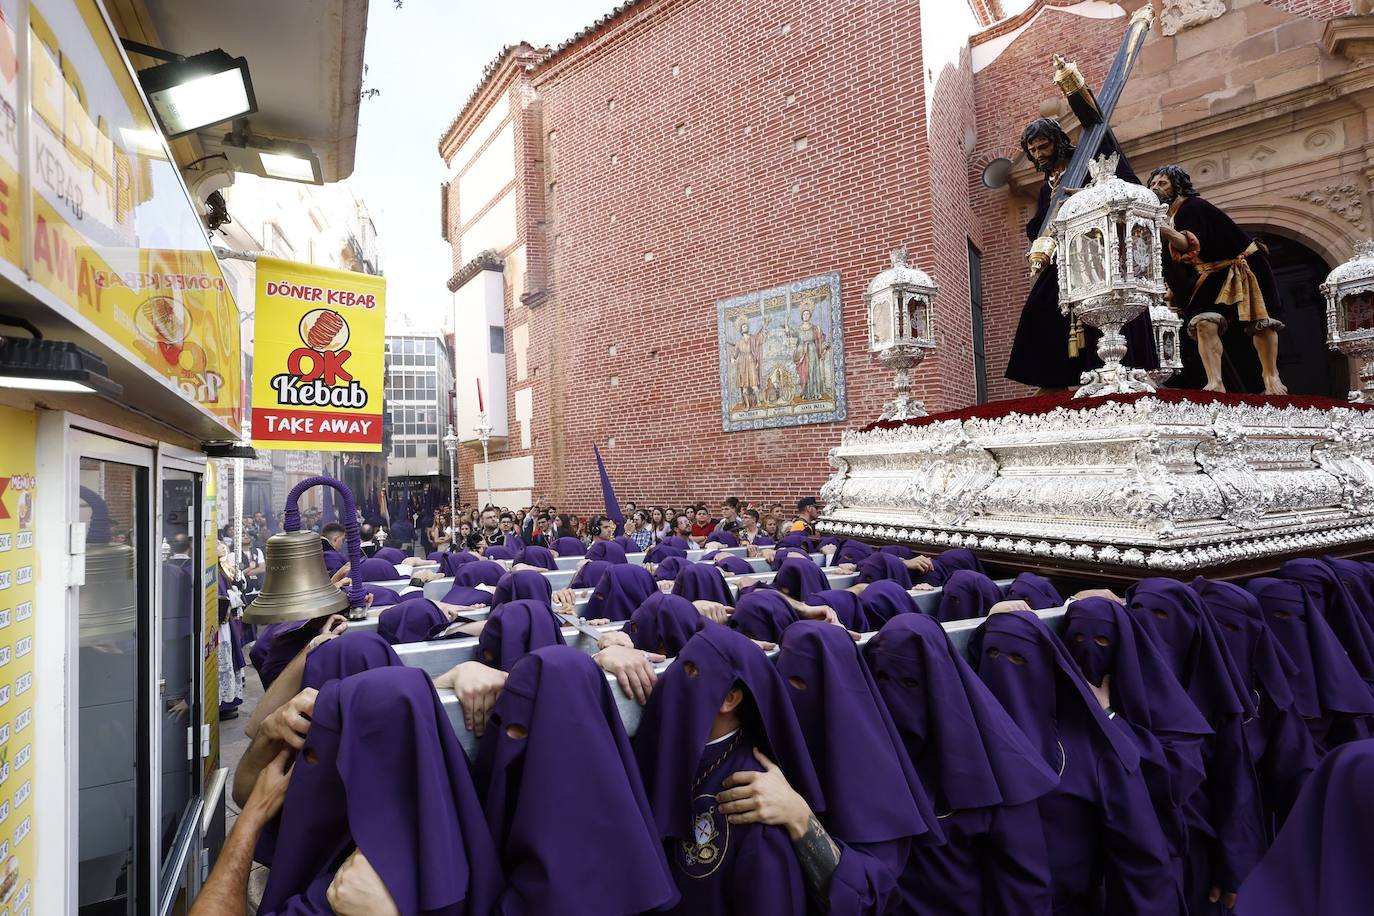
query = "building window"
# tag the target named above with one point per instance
(498, 339)
(975, 288)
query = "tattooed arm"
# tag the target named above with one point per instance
(766, 798)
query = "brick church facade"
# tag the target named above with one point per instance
(606, 194)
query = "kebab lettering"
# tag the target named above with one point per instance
(316, 373)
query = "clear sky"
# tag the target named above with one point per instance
(426, 58)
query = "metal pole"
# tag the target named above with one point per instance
(483, 430)
(246, 434)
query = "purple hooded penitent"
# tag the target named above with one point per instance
(375, 570)
(483, 572)
(452, 562)
(981, 772)
(1334, 701)
(782, 554)
(498, 552)
(381, 595)
(622, 589)
(723, 538)
(702, 582)
(763, 615)
(1225, 817)
(537, 556)
(679, 542)
(515, 629)
(945, 564)
(1101, 830)
(667, 570)
(609, 551)
(884, 600)
(589, 574)
(390, 555)
(344, 655)
(799, 541)
(660, 552)
(335, 561)
(1035, 590)
(966, 595)
(592, 851)
(734, 566)
(852, 551)
(884, 567)
(1319, 862)
(876, 806)
(278, 643)
(425, 834)
(846, 606)
(413, 620)
(569, 547)
(467, 597)
(626, 543)
(525, 583)
(722, 868)
(664, 623)
(1280, 743)
(799, 579)
(1340, 609)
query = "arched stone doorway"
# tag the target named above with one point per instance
(1305, 362)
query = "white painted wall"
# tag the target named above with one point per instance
(490, 172)
(485, 128)
(477, 305)
(494, 230)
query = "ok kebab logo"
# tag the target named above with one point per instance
(315, 373)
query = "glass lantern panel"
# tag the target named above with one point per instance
(1359, 312)
(917, 324)
(1142, 252)
(1087, 262)
(880, 320)
(1168, 348)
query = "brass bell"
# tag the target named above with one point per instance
(296, 585)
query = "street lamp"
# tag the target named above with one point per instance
(483, 430)
(451, 445)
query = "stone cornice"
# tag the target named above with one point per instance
(485, 260)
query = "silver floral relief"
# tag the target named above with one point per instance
(1168, 486)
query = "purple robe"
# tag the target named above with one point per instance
(876, 804)
(381, 595)
(799, 541)
(799, 579)
(1336, 704)
(1359, 581)
(1319, 862)
(498, 552)
(278, 643)
(569, 547)
(452, 562)
(884, 600)
(1037, 591)
(723, 538)
(334, 561)
(734, 566)
(667, 570)
(846, 606)
(1339, 608)
(947, 563)
(390, 555)
(461, 594)
(664, 623)
(622, 589)
(763, 614)
(1103, 837)
(884, 567)
(852, 551)
(593, 850)
(413, 620)
(967, 594)
(609, 551)
(702, 582)
(424, 834)
(344, 655)
(537, 556)
(374, 570)
(679, 542)
(722, 868)
(515, 629)
(982, 773)
(589, 574)
(482, 572)
(782, 554)
(1225, 816)
(1280, 744)
(525, 583)
(660, 552)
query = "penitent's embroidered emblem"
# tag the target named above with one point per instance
(703, 853)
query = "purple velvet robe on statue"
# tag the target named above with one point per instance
(1107, 851)
(590, 851)
(515, 629)
(1281, 746)
(1320, 863)
(423, 833)
(876, 805)
(982, 774)
(722, 868)
(1225, 815)
(664, 623)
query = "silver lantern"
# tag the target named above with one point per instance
(901, 328)
(1107, 242)
(1349, 292)
(1166, 325)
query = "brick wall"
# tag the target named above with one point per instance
(714, 95)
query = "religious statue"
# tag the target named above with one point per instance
(1218, 276)
(748, 359)
(1051, 350)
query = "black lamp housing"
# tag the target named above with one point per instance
(39, 361)
(157, 81)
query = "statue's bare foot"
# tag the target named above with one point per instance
(1274, 385)
(1218, 387)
